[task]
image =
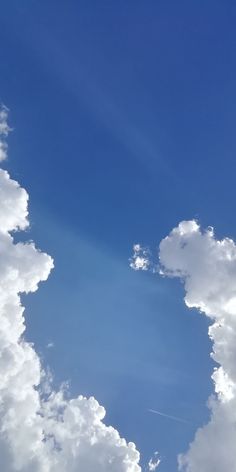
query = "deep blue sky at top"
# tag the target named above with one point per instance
(124, 119)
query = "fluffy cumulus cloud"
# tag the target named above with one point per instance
(41, 430)
(208, 269)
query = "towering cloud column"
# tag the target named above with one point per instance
(208, 269)
(40, 433)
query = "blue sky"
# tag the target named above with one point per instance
(123, 116)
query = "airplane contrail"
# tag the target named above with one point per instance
(174, 418)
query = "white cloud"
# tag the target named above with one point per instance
(140, 259)
(50, 345)
(154, 462)
(41, 430)
(14, 204)
(208, 269)
(4, 130)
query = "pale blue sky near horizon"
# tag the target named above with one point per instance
(124, 124)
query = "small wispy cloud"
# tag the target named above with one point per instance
(140, 259)
(4, 130)
(154, 462)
